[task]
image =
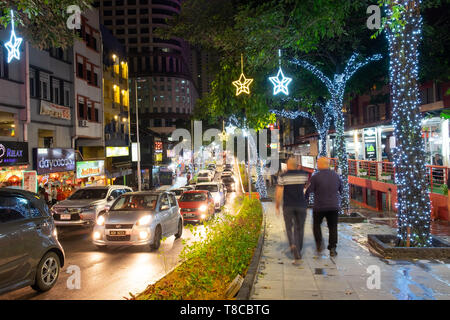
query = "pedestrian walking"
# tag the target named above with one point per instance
(327, 188)
(290, 188)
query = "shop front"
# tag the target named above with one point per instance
(13, 164)
(118, 165)
(55, 167)
(90, 173)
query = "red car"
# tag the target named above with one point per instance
(196, 205)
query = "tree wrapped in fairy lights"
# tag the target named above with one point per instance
(321, 123)
(336, 88)
(403, 25)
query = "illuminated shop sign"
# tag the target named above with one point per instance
(158, 146)
(13, 153)
(116, 151)
(53, 160)
(87, 169)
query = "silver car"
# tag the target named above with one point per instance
(139, 218)
(83, 207)
(30, 253)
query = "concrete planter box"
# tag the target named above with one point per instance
(380, 243)
(354, 217)
(385, 177)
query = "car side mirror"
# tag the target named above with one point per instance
(164, 207)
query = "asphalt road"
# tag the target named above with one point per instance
(110, 274)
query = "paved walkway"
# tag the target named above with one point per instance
(345, 276)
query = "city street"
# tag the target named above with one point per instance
(113, 273)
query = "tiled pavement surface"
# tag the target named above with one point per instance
(345, 276)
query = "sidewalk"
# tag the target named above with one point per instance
(345, 276)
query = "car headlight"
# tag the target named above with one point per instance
(101, 220)
(145, 220)
(203, 208)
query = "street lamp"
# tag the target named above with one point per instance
(137, 135)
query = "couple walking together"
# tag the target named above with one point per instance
(326, 185)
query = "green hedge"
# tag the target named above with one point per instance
(211, 264)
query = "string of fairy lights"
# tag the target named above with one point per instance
(336, 89)
(414, 207)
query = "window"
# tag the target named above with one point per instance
(143, 11)
(45, 85)
(120, 31)
(120, 12)
(67, 97)
(80, 70)
(144, 20)
(131, 2)
(132, 21)
(89, 110)
(120, 22)
(144, 30)
(13, 209)
(81, 105)
(132, 31)
(119, 2)
(173, 201)
(96, 115)
(107, 13)
(108, 23)
(164, 201)
(33, 92)
(132, 40)
(143, 1)
(131, 11)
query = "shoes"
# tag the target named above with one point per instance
(319, 247)
(333, 252)
(297, 262)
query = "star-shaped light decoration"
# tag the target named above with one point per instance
(280, 83)
(14, 43)
(242, 85)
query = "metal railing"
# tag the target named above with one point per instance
(384, 171)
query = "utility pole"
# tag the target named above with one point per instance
(137, 139)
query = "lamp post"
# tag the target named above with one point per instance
(137, 139)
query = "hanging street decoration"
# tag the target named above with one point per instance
(14, 43)
(242, 85)
(280, 82)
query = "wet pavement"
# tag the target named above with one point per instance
(354, 274)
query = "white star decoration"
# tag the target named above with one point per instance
(280, 84)
(14, 43)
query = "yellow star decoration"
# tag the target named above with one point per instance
(242, 85)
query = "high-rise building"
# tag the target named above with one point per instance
(166, 92)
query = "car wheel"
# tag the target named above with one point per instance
(180, 230)
(47, 272)
(157, 240)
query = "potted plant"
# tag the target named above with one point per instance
(385, 176)
(362, 172)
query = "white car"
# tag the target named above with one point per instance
(205, 176)
(217, 191)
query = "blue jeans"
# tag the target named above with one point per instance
(294, 218)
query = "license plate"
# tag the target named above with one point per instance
(189, 215)
(65, 216)
(118, 233)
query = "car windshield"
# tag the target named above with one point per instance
(135, 202)
(178, 192)
(207, 187)
(228, 179)
(203, 174)
(194, 196)
(89, 194)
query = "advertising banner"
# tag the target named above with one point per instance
(13, 153)
(54, 110)
(370, 142)
(116, 152)
(30, 181)
(53, 160)
(87, 169)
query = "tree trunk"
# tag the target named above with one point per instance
(409, 156)
(341, 151)
(323, 144)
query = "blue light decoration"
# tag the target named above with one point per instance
(14, 42)
(280, 82)
(414, 208)
(322, 127)
(336, 89)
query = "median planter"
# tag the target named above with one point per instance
(353, 217)
(384, 245)
(210, 264)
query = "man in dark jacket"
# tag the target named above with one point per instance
(327, 188)
(290, 188)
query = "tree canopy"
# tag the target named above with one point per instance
(42, 22)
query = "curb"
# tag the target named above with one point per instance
(247, 286)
